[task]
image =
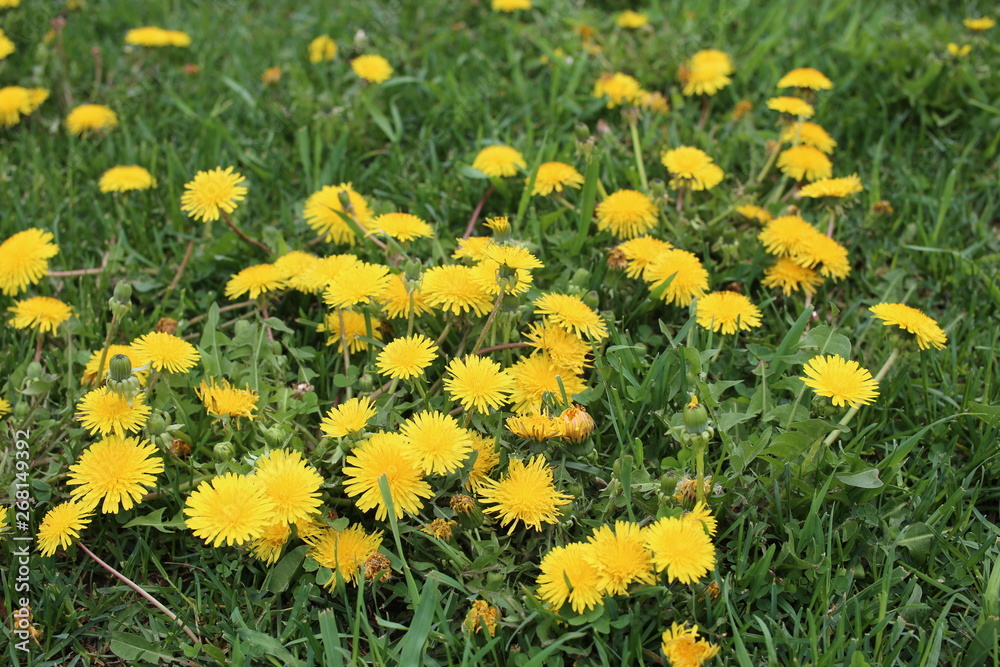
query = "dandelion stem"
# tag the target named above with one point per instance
(115, 319)
(699, 456)
(706, 103)
(637, 149)
(830, 221)
(767, 165)
(502, 346)
(476, 212)
(346, 353)
(489, 323)
(39, 337)
(243, 236)
(180, 270)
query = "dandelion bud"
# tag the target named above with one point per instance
(657, 188)
(580, 277)
(468, 514)
(581, 131)
(123, 292)
(510, 303)
(412, 269)
(345, 201)
(695, 417)
(668, 482)
(155, 425)
(366, 383)
(577, 423)
(223, 451)
(120, 368)
(21, 410)
(274, 435)
(591, 299)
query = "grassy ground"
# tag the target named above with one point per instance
(884, 552)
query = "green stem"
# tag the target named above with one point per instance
(637, 149)
(411, 584)
(345, 352)
(699, 454)
(489, 323)
(115, 320)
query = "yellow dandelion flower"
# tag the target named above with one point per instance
(257, 279)
(512, 256)
(537, 427)
(620, 557)
(571, 313)
(226, 400)
(702, 515)
(436, 441)
(509, 6)
(692, 168)
(472, 248)
(535, 377)
(805, 163)
(372, 68)
(398, 301)
(295, 266)
(805, 77)
(271, 76)
(91, 118)
(682, 548)
(631, 20)
(24, 259)
(554, 176)
(345, 552)
(527, 493)
(211, 191)
(103, 411)
(786, 235)
(6, 46)
(959, 51)
(39, 312)
(493, 277)
(655, 102)
(153, 37)
(166, 352)
(626, 214)
(290, 483)
(791, 277)
(979, 24)
(230, 509)
(809, 134)
(360, 283)
(349, 326)
(4, 407)
(682, 648)
(406, 357)
(401, 226)
(706, 73)
(577, 423)
(323, 213)
(386, 454)
(499, 161)
(619, 89)
(567, 575)
(728, 312)
(487, 458)
(455, 289)
(267, 548)
(688, 278)
(347, 418)
(566, 350)
(90, 370)
(322, 48)
(126, 178)
(478, 383)
(317, 276)
(833, 187)
(61, 526)
(842, 380)
(924, 328)
(751, 212)
(821, 250)
(793, 106)
(16, 101)
(641, 252)
(116, 470)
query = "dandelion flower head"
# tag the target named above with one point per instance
(117, 470)
(842, 380)
(24, 259)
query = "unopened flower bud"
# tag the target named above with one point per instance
(577, 423)
(657, 189)
(695, 417)
(592, 299)
(580, 277)
(345, 201)
(274, 435)
(223, 451)
(155, 425)
(366, 383)
(412, 269)
(123, 292)
(581, 131)
(120, 368)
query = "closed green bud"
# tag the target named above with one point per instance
(223, 451)
(412, 269)
(155, 425)
(581, 131)
(274, 435)
(592, 299)
(123, 292)
(120, 368)
(657, 188)
(366, 383)
(695, 417)
(345, 201)
(580, 277)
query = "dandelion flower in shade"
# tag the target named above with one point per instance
(691, 167)
(809, 134)
(126, 178)
(728, 312)
(16, 101)
(821, 250)
(805, 163)
(322, 48)
(91, 118)
(344, 551)
(481, 616)
(267, 548)
(527, 493)
(61, 526)
(655, 102)
(537, 427)
(571, 313)
(793, 106)
(398, 302)
(360, 283)
(166, 352)
(979, 24)
(790, 277)
(406, 357)
(230, 509)
(641, 252)
(24, 259)
(565, 349)
(706, 73)
(631, 20)
(290, 483)
(349, 417)
(478, 383)
(317, 276)
(621, 557)
(682, 548)
(386, 454)
(509, 6)
(567, 575)
(255, 280)
(751, 212)
(702, 515)
(372, 68)
(455, 289)
(487, 458)
(350, 326)
(211, 191)
(116, 470)
(619, 89)
(786, 235)
(436, 441)
(688, 278)
(536, 376)
(682, 648)
(401, 226)
(924, 328)
(226, 400)
(39, 312)
(833, 187)
(841, 380)
(805, 77)
(554, 176)
(323, 209)
(626, 214)
(499, 161)
(103, 411)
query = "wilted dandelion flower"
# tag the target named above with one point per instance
(655, 102)
(509, 6)
(349, 326)
(91, 118)
(61, 526)
(631, 20)
(104, 411)
(571, 313)
(833, 187)
(688, 278)
(257, 279)
(439, 529)
(565, 349)
(349, 417)
(436, 441)
(372, 68)
(24, 259)
(751, 212)
(401, 226)
(822, 251)
(499, 161)
(290, 483)
(16, 101)
(398, 301)
(359, 283)
(406, 357)
(567, 574)
(626, 214)
(924, 328)
(226, 400)
(621, 557)
(641, 252)
(323, 210)
(809, 134)
(267, 548)
(682, 548)
(805, 163)
(322, 48)
(793, 106)
(527, 493)
(116, 470)
(728, 312)
(39, 312)
(478, 383)
(979, 24)
(345, 552)
(619, 88)
(230, 509)
(536, 376)
(805, 77)
(577, 423)
(211, 191)
(166, 352)
(386, 454)
(682, 647)
(538, 427)
(126, 178)
(487, 458)
(791, 277)
(455, 289)
(554, 176)
(481, 617)
(691, 167)
(842, 380)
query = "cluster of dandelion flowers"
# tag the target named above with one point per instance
(104, 411)
(166, 352)
(322, 48)
(24, 259)
(790, 277)
(621, 557)
(155, 37)
(16, 101)
(401, 226)
(290, 483)
(509, 6)
(478, 383)
(499, 161)
(924, 328)
(116, 470)
(372, 68)
(126, 178)
(323, 211)
(230, 509)
(793, 106)
(571, 313)
(810, 134)
(554, 176)
(61, 526)
(386, 454)
(527, 493)
(406, 357)
(568, 575)
(727, 312)
(349, 417)
(687, 278)
(682, 647)
(348, 327)
(619, 89)
(692, 168)
(91, 118)
(833, 187)
(212, 191)
(344, 551)
(706, 73)
(455, 289)
(680, 547)
(224, 400)
(39, 312)
(626, 214)
(805, 77)
(256, 280)
(436, 441)
(843, 381)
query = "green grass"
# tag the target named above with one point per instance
(817, 563)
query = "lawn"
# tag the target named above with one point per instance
(428, 333)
